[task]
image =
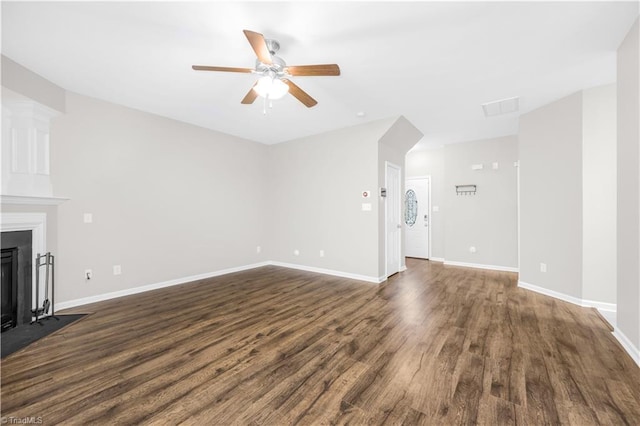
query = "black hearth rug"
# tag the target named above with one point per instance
(18, 337)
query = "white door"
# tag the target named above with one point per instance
(392, 218)
(417, 206)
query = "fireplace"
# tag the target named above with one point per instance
(16, 280)
(9, 309)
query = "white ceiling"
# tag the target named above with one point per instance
(433, 62)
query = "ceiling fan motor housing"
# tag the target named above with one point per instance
(272, 45)
(277, 65)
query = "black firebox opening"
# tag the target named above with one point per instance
(17, 255)
(9, 309)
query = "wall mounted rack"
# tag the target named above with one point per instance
(466, 189)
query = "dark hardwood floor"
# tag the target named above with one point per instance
(432, 345)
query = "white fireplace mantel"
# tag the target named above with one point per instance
(28, 200)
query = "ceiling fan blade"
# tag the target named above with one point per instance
(250, 96)
(313, 70)
(226, 69)
(300, 94)
(259, 46)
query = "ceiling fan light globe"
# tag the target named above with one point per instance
(271, 88)
(278, 89)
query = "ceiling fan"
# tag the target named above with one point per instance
(274, 73)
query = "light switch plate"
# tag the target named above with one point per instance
(366, 207)
(88, 218)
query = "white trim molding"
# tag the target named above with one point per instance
(436, 259)
(633, 352)
(552, 293)
(375, 280)
(608, 311)
(28, 200)
(155, 286)
(481, 266)
(184, 280)
(37, 224)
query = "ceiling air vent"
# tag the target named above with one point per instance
(503, 106)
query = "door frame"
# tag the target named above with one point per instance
(428, 177)
(387, 165)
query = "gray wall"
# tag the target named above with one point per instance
(599, 194)
(431, 163)
(316, 202)
(24, 81)
(550, 150)
(169, 200)
(315, 195)
(487, 220)
(568, 196)
(628, 315)
(393, 147)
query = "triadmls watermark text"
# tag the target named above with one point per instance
(27, 420)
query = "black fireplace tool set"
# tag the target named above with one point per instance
(42, 312)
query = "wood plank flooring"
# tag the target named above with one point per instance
(272, 346)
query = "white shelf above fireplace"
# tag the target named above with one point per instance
(29, 200)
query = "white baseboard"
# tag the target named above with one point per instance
(177, 281)
(552, 293)
(349, 275)
(141, 289)
(437, 259)
(627, 345)
(608, 310)
(481, 266)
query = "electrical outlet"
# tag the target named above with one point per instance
(472, 249)
(88, 274)
(543, 267)
(296, 252)
(321, 253)
(117, 269)
(258, 249)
